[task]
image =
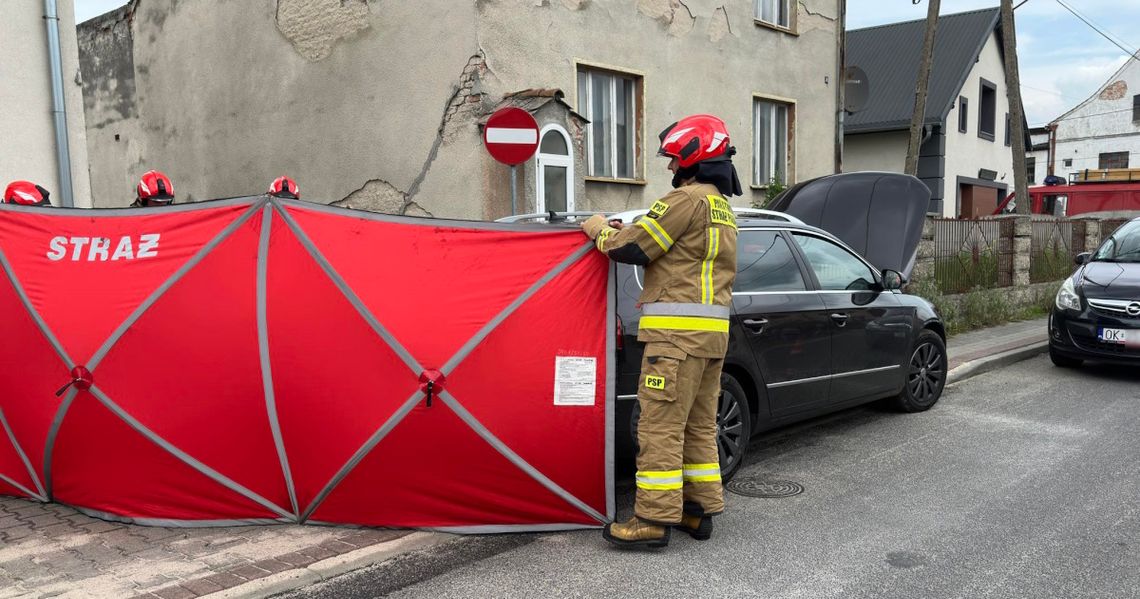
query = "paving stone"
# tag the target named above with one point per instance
(175, 592)
(318, 553)
(338, 547)
(225, 580)
(296, 559)
(273, 566)
(201, 586)
(250, 572)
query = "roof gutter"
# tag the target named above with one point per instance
(58, 106)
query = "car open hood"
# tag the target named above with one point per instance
(880, 215)
(1112, 280)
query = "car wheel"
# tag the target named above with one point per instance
(733, 426)
(1064, 361)
(926, 374)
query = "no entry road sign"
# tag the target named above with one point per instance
(511, 136)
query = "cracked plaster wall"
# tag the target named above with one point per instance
(374, 104)
(229, 95)
(694, 56)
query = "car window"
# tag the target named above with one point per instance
(1122, 246)
(835, 267)
(764, 262)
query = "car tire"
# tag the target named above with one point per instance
(926, 371)
(733, 426)
(731, 439)
(1064, 361)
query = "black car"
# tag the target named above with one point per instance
(815, 328)
(1096, 315)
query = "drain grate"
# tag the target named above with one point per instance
(765, 488)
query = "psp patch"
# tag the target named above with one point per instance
(655, 382)
(658, 209)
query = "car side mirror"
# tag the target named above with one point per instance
(892, 280)
(1082, 258)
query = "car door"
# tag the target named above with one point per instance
(870, 328)
(784, 319)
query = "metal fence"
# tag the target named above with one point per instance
(972, 253)
(1109, 226)
(1052, 249)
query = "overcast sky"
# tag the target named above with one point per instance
(1062, 60)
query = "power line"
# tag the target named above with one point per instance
(1130, 53)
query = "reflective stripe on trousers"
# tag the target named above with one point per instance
(659, 480)
(701, 473)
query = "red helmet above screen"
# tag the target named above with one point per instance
(155, 187)
(26, 193)
(694, 139)
(284, 187)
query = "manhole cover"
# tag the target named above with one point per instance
(757, 487)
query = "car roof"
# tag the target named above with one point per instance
(751, 221)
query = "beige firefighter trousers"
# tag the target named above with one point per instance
(678, 460)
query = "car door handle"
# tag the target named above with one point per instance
(839, 319)
(756, 324)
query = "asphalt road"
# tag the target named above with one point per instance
(1020, 483)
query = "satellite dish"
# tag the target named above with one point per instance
(855, 89)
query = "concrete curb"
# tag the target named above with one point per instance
(297, 578)
(983, 365)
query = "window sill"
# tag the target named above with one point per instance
(773, 26)
(985, 136)
(618, 181)
(756, 187)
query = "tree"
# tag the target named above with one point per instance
(1016, 112)
(920, 88)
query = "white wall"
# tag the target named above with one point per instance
(1103, 123)
(26, 124)
(884, 151)
(966, 153)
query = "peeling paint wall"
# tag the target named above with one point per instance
(345, 96)
(27, 126)
(694, 56)
(375, 104)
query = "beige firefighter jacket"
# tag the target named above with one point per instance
(687, 244)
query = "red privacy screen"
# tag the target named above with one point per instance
(261, 360)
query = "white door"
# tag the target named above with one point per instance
(554, 167)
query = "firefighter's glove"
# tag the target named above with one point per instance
(594, 225)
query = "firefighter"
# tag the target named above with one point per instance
(284, 187)
(687, 244)
(154, 189)
(26, 193)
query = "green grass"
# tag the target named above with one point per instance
(966, 271)
(1051, 265)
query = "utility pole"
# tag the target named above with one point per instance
(921, 87)
(1016, 112)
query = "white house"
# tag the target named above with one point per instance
(1102, 132)
(966, 159)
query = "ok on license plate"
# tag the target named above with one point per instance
(1119, 336)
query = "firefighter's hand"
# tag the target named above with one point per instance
(594, 225)
(617, 224)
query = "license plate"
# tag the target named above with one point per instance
(1119, 336)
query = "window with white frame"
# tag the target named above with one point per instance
(554, 169)
(775, 12)
(771, 141)
(609, 100)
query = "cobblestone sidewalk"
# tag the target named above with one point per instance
(50, 550)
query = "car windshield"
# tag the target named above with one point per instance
(1123, 246)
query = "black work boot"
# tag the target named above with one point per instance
(695, 522)
(636, 532)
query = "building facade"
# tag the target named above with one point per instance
(380, 105)
(966, 157)
(1103, 132)
(27, 124)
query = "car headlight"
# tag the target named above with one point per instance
(1067, 298)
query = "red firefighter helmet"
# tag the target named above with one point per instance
(284, 187)
(694, 138)
(26, 193)
(155, 188)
